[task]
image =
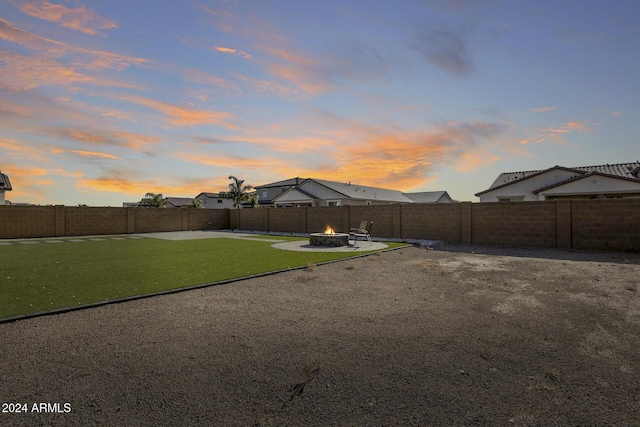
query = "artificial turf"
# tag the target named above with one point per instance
(47, 276)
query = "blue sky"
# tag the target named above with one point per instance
(103, 101)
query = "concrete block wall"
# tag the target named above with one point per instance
(59, 221)
(437, 222)
(578, 224)
(27, 221)
(319, 218)
(606, 224)
(514, 224)
(280, 220)
(386, 219)
(79, 220)
(208, 219)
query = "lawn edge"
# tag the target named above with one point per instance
(185, 289)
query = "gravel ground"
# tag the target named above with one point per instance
(453, 336)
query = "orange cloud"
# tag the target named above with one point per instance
(232, 51)
(577, 126)
(27, 182)
(95, 154)
(180, 116)
(470, 161)
(80, 18)
(13, 149)
(138, 188)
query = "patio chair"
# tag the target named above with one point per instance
(362, 231)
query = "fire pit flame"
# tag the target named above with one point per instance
(329, 230)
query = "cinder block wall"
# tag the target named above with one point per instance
(59, 221)
(514, 224)
(606, 224)
(283, 221)
(386, 219)
(319, 218)
(579, 224)
(437, 222)
(27, 221)
(253, 219)
(87, 220)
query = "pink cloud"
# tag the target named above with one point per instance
(80, 18)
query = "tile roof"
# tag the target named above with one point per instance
(586, 175)
(5, 184)
(625, 170)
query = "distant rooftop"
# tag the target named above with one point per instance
(625, 170)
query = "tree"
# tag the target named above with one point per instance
(153, 200)
(238, 192)
(196, 203)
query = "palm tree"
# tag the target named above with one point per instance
(153, 200)
(238, 192)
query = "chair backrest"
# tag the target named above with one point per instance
(369, 227)
(363, 225)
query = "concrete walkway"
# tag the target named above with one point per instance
(304, 246)
(298, 245)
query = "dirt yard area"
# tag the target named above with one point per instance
(457, 336)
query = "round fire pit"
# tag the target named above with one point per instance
(331, 240)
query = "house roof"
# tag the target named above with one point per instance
(209, 195)
(179, 201)
(5, 184)
(290, 195)
(356, 191)
(586, 175)
(427, 196)
(285, 183)
(620, 170)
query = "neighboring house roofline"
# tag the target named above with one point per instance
(5, 184)
(428, 196)
(296, 189)
(587, 175)
(534, 174)
(210, 195)
(283, 183)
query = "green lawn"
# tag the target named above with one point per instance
(46, 276)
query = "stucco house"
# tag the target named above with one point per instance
(558, 182)
(313, 192)
(267, 192)
(214, 201)
(5, 185)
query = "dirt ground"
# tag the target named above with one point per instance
(457, 336)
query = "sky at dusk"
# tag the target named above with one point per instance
(102, 101)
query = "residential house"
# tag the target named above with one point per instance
(267, 192)
(5, 185)
(430, 197)
(584, 182)
(215, 201)
(319, 192)
(178, 202)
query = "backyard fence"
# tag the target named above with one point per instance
(607, 224)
